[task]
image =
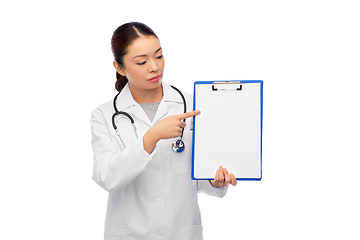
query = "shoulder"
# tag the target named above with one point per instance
(105, 108)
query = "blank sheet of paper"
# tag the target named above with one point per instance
(228, 132)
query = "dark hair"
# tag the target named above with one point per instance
(122, 37)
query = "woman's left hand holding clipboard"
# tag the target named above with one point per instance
(223, 178)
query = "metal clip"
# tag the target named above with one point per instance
(226, 82)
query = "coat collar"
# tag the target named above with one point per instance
(171, 95)
(125, 102)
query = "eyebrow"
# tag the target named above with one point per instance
(146, 55)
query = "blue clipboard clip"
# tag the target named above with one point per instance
(227, 82)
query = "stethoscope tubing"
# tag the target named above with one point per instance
(184, 102)
(177, 142)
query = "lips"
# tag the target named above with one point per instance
(155, 78)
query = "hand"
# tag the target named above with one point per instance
(223, 178)
(169, 127)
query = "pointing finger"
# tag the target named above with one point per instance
(189, 114)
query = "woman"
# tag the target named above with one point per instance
(151, 193)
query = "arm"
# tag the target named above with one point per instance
(114, 170)
(204, 186)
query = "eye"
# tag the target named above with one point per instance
(159, 57)
(142, 63)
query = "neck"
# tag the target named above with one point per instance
(146, 95)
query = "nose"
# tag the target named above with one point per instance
(154, 67)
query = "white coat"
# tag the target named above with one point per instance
(151, 196)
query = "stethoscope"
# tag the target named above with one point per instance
(178, 145)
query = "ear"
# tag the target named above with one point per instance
(118, 68)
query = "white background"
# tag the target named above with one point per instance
(56, 66)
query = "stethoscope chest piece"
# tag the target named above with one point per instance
(178, 146)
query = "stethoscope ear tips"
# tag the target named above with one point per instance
(178, 146)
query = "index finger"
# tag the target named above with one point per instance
(189, 114)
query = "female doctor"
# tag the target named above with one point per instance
(151, 193)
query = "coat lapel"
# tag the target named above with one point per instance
(170, 95)
(125, 102)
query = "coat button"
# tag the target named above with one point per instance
(161, 233)
(158, 200)
(156, 169)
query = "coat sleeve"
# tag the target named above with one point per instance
(113, 170)
(204, 186)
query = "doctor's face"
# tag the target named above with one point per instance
(143, 64)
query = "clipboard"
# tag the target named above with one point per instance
(228, 132)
